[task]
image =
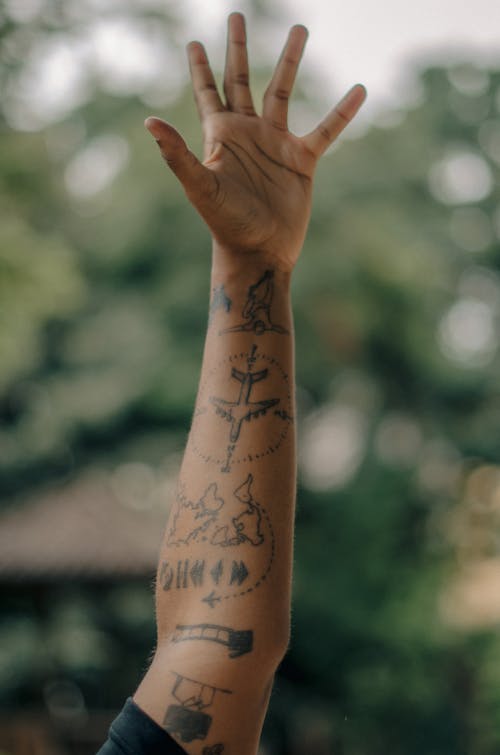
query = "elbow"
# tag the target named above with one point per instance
(277, 642)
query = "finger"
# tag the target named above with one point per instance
(326, 132)
(199, 182)
(275, 109)
(236, 76)
(204, 86)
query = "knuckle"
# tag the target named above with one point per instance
(342, 115)
(278, 125)
(241, 79)
(323, 131)
(208, 86)
(281, 94)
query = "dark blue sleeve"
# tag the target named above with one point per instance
(135, 733)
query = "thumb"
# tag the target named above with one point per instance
(197, 180)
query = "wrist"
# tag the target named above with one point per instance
(229, 265)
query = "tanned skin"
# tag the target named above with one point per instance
(224, 574)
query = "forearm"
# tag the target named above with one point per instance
(234, 510)
(224, 575)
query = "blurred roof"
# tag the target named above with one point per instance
(83, 530)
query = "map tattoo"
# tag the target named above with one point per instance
(229, 523)
(257, 310)
(210, 520)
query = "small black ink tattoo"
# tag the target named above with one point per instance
(226, 524)
(242, 409)
(220, 300)
(282, 414)
(212, 599)
(239, 642)
(217, 749)
(239, 573)
(257, 310)
(251, 370)
(181, 574)
(216, 521)
(187, 720)
(236, 412)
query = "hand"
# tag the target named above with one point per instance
(254, 186)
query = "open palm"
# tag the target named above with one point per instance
(254, 186)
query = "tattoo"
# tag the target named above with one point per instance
(179, 575)
(211, 520)
(239, 642)
(227, 523)
(273, 413)
(213, 750)
(184, 573)
(220, 300)
(236, 412)
(283, 415)
(187, 721)
(257, 310)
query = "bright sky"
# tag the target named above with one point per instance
(373, 42)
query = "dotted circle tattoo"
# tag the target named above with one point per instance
(264, 575)
(247, 399)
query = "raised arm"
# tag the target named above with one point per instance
(224, 574)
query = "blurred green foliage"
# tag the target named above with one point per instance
(103, 306)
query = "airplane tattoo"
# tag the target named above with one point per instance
(236, 412)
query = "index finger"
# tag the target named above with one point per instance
(318, 140)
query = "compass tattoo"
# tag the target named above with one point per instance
(246, 403)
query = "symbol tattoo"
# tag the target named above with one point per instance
(217, 749)
(250, 370)
(185, 573)
(187, 720)
(239, 642)
(242, 409)
(220, 300)
(257, 310)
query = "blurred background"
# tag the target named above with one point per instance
(103, 305)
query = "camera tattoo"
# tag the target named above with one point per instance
(187, 720)
(217, 749)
